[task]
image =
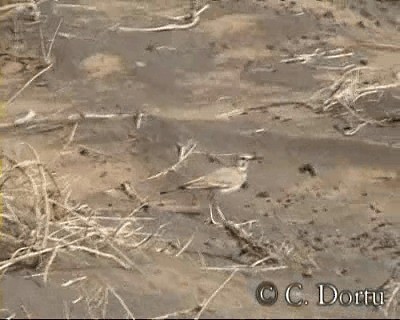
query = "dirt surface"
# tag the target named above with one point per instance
(332, 198)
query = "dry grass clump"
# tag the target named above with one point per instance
(39, 222)
(27, 10)
(346, 97)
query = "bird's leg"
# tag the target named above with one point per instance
(221, 213)
(211, 198)
(195, 201)
(216, 204)
(211, 215)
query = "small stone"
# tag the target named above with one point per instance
(361, 24)
(364, 61)
(308, 168)
(140, 64)
(374, 208)
(262, 194)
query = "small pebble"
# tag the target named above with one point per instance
(262, 194)
(364, 61)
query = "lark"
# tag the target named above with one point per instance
(221, 181)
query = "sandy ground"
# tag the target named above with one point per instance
(342, 223)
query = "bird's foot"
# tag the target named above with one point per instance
(211, 220)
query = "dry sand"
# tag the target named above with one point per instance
(342, 223)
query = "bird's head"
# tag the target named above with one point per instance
(242, 160)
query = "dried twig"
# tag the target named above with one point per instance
(391, 303)
(26, 312)
(185, 152)
(381, 46)
(207, 302)
(47, 58)
(105, 303)
(254, 248)
(169, 27)
(34, 120)
(266, 106)
(4, 265)
(49, 263)
(318, 54)
(37, 75)
(179, 313)
(122, 302)
(251, 268)
(185, 246)
(71, 137)
(131, 192)
(45, 196)
(73, 281)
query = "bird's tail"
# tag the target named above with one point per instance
(172, 190)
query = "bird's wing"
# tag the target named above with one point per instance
(200, 183)
(220, 179)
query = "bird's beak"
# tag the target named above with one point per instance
(254, 157)
(251, 156)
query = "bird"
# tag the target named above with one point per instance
(223, 180)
